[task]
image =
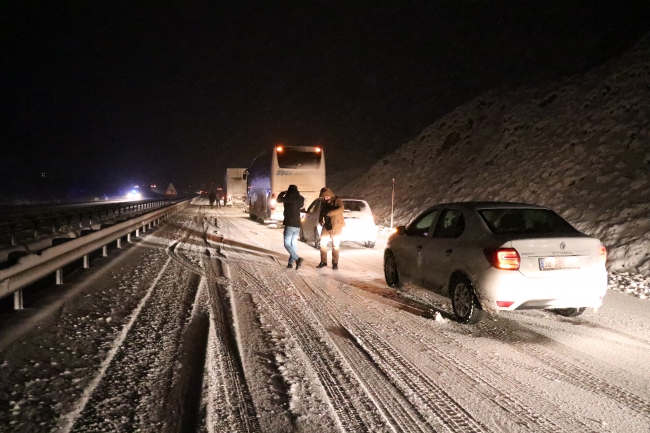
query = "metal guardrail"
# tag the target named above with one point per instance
(33, 267)
(32, 222)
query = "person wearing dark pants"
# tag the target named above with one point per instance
(331, 218)
(293, 202)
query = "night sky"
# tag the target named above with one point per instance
(100, 94)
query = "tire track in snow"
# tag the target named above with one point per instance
(499, 387)
(310, 340)
(69, 419)
(398, 411)
(560, 368)
(433, 402)
(230, 406)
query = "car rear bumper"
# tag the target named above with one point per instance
(496, 288)
(359, 234)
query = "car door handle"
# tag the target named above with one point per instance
(449, 251)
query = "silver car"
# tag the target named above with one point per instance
(499, 256)
(359, 223)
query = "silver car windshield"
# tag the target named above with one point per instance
(537, 221)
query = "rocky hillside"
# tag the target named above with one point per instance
(580, 146)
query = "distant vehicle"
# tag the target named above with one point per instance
(359, 223)
(273, 172)
(234, 186)
(499, 256)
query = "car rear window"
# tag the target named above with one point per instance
(537, 221)
(354, 206)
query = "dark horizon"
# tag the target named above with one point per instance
(97, 96)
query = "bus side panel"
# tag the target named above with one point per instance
(259, 186)
(258, 203)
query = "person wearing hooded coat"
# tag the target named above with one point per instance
(293, 202)
(331, 218)
(212, 197)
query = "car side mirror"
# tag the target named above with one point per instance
(400, 230)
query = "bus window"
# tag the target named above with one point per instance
(291, 157)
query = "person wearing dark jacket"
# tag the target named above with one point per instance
(212, 197)
(331, 218)
(293, 202)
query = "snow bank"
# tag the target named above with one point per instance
(580, 146)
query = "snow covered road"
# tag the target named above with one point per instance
(201, 327)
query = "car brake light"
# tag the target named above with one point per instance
(504, 304)
(504, 258)
(602, 253)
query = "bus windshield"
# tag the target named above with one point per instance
(298, 158)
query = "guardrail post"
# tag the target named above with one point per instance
(105, 251)
(86, 261)
(18, 300)
(59, 276)
(128, 237)
(137, 232)
(119, 242)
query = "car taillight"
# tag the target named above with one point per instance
(602, 253)
(504, 258)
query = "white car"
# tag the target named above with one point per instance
(359, 223)
(499, 256)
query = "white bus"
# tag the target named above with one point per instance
(273, 172)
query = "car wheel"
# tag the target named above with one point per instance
(316, 238)
(391, 273)
(464, 301)
(301, 236)
(369, 244)
(569, 312)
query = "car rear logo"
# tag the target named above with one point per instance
(562, 246)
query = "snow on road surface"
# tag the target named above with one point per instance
(201, 327)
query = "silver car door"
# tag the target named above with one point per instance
(408, 253)
(441, 248)
(310, 221)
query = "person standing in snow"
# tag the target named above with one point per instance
(331, 218)
(212, 197)
(293, 202)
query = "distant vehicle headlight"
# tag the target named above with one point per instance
(134, 195)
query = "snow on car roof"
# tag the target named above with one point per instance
(490, 205)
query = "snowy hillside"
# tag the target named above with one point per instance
(580, 146)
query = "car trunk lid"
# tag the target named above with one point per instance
(546, 257)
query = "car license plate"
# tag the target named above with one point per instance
(554, 263)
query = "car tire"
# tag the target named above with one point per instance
(391, 273)
(301, 236)
(464, 301)
(569, 312)
(369, 244)
(316, 238)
